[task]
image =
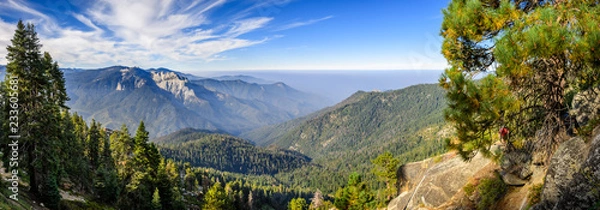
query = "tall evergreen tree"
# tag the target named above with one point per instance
(156, 203)
(107, 180)
(76, 148)
(40, 92)
(385, 168)
(122, 146)
(93, 144)
(216, 198)
(356, 195)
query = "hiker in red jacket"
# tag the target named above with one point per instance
(504, 133)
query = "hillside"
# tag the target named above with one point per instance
(368, 121)
(184, 135)
(169, 101)
(228, 153)
(267, 135)
(344, 138)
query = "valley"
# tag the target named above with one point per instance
(299, 105)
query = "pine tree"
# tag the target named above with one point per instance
(190, 180)
(74, 146)
(356, 195)
(40, 103)
(51, 196)
(156, 202)
(532, 54)
(166, 186)
(56, 84)
(297, 204)
(107, 181)
(122, 146)
(385, 168)
(145, 155)
(216, 198)
(93, 145)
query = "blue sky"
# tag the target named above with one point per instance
(221, 35)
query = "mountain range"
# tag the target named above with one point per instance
(168, 100)
(378, 119)
(344, 138)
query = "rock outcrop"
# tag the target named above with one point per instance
(586, 105)
(177, 85)
(583, 192)
(430, 183)
(572, 180)
(565, 162)
(573, 177)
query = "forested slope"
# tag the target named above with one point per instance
(228, 153)
(345, 138)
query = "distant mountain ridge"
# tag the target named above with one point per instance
(245, 78)
(168, 100)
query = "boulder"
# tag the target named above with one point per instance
(586, 105)
(516, 167)
(583, 192)
(512, 180)
(430, 184)
(565, 162)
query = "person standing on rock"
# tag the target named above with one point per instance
(504, 133)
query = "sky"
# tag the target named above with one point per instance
(234, 35)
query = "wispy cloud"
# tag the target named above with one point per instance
(247, 25)
(130, 32)
(33, 16)
(6, 32)
(86, 21)
(303, 23)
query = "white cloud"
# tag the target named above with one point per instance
(30, 15)
(138, 33)
(6, 33)
(303, 23)
(86, 21)
(247, 25)
(209, 50)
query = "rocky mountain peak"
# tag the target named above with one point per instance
(130, 79)
(175, 84)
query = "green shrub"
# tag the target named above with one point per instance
(535, 194)
(490, 191)
(469, 189)
(438, 158)
(587, 129)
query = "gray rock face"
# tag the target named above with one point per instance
(586, 105)
(573, 179)
(583, 192)
(517, 165)
(565, 162)
(432, 184)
